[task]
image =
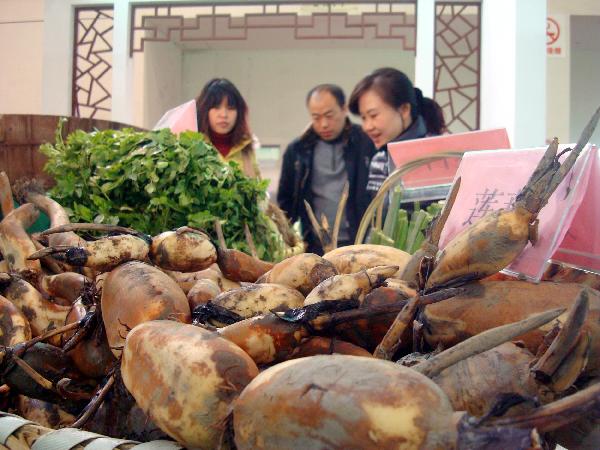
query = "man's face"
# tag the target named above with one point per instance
(328, 118)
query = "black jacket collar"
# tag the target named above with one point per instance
(309, 138)
(417, 130)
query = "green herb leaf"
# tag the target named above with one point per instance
(155, 181)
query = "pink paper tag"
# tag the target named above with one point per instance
(581, 245)
(181, 118)
(442, 171)
(491, 180)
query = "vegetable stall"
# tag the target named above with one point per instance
(143, 315)
(155, 181)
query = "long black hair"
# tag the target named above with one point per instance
(396, 89)
(211, 96)
(433, 115)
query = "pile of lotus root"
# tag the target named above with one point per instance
(174, 337)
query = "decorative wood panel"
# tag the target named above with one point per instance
(304, 20)
(92, 62)
(457, 63)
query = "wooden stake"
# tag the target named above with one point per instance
(332, 319)
(391, 341)
(95, 403)
(250, 240)
(34, 374)
(49, 251)
(484, 341)
(556, 414)
(565, 341)
(339, 215)
(220, 237)
(318, 229)
(89, 226)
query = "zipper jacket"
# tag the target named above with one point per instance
(295, 183)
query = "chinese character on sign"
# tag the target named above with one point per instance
(510, 202)
(487, 201)
(555, 30)
(567, 229)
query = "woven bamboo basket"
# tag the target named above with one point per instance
(17, 433)
(22, 134)
(373, 214)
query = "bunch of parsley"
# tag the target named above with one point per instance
(156, 181)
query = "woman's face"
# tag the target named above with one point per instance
(381, 121)
(221, 118)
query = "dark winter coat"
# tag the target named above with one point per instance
(296, 178)
(381, 162)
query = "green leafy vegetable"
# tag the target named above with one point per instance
(155, 181)
(400, 232)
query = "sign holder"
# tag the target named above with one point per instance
(491, 180)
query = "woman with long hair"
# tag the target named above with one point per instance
(392, 110)
(223, 118)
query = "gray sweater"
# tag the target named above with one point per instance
(329, 177)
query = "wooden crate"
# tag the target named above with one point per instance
(22, 134)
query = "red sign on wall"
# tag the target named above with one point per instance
(555, 35)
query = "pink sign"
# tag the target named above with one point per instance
(581, 245)
(181, 118)
(491, 180)
(442, 171)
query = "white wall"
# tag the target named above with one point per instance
(275, 82)
(35, 47)
(513, 69)
(21, 47)
(530, 114)
(161, 80)
(585, 74)
(57, 59)
(498, 66)
(559, 85)
(425, 57)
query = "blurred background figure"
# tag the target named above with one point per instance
(391, 110)
(317, 165)
(223, 119)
